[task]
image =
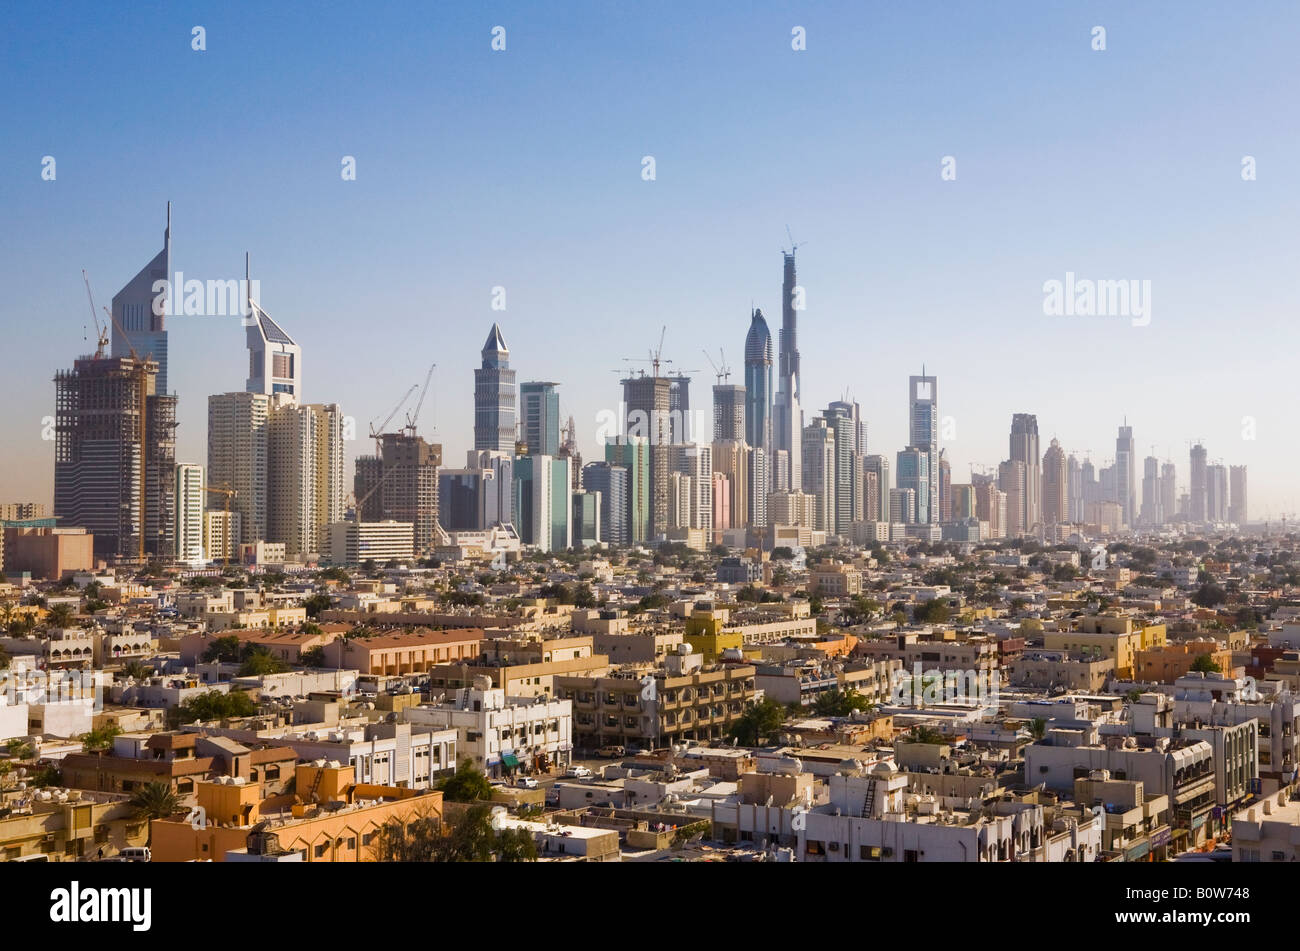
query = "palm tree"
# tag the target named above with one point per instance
(155, 800)
(60, 616)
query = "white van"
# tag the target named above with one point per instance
(136, 854)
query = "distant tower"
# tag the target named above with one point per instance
(923, 433)
(758, 383)
(494, 397)
(1024, 449)
(1237, 512)
(1126, 475)
(1197, 504)
(274, 359)
(1056, 486)
(787, 414)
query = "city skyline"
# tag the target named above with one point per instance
(433, 291)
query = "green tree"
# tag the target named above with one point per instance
(1208, 595)
(1205, 664)
(316, 604)
(60, 615)
(925, 734)
(137, 670)
(840, 703)
(1038, 728)
(99, 739)
(760, 721)
(222, 650)
(467, 784)
(155, 800)
(468, 838)
(314, 657)
(213, 705)
(933, 611)
(259, 661)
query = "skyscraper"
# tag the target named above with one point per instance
(1013, 480)
(1152, 496)
(818, 446)
(544, 502)
(305, 489)
(787, 413)
(1168, 492)
(1056, 486)
(880, 466)
(1237, 511)
(274, 359)
(611, 482)
(494, 397)
(729, 413)
(647, 400)
(1196, 503)
(1024, 449)
(237, 447)
(758, 384)
(923, 434)
(846, 497)
(914, 474)
(1216, 493)
(539, 409)
(115, 456)
(1075, 474)
(140, 311)
(633, 454)
(409, 486)
(1126, 475)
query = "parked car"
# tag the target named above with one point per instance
(577, 772)
(136, 854)
(526, 782)
(611, 752)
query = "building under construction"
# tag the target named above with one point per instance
(401, 484)
(115, 457)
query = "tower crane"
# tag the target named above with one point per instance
(376, 433)
(412, 417)
(101, 332)
(722, 371)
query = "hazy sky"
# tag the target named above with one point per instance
(523, 169)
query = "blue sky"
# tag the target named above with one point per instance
(522, 169)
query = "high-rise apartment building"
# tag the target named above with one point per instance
(1216, 493)
(1056, 486)
(305, 488)
(495, 425)
(1152, 512)
(191, 500)
(760, 481)
(1074, 473)
(880, 466)
(1237, 510)
(1168, 492)
(844, 420)
(237, 459)
(544, 502)
(1197, 503)
(1025, 450)
(409, 489)
(818, 446)
(697, 464)
(1013, 480)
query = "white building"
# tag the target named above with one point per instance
(502, 733)
(353, 543)
(190, 503)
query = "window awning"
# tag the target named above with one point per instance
(509, 761)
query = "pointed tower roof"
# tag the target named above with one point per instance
(495, 351)
(758, 342)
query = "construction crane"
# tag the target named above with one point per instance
(101, 332)
(412, 417)
(227, 534)
(793, 247)
(656, 356)
(722, 372)
(376, 433)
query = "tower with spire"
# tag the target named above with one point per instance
(494, 397)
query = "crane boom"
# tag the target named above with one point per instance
(412, 417)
